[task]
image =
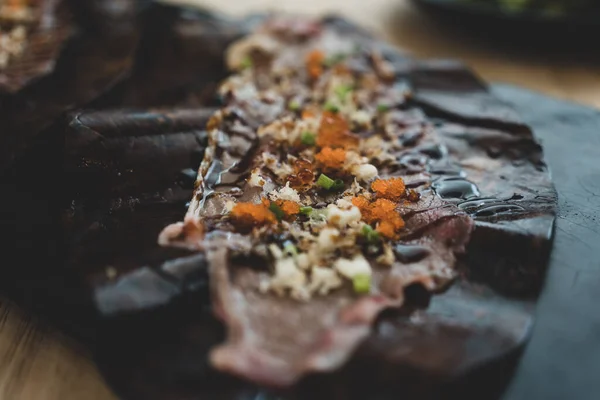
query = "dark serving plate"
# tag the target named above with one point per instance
(488, 20)
(93, 191)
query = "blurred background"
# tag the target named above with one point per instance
(553, 50)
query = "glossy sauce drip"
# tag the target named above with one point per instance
(499, 209)
(469, 205)
(411, 137)
(489, 206)
(434, 151)
(455, 188)
(447, 170)
(410, 253)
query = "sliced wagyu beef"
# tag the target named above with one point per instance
(312, 214)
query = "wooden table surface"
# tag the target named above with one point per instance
(38, 363)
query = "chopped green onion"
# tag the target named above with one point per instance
(308, 138)
(334, 59)
(329, 106)
(342, 91)
(319, 214)
(382, 107)
(325, 182)
(371, 235)
(306, 210)
(275, 209)
(289, 248)
(294, 105)
(361, 283)
(338, 184)
(246, 62)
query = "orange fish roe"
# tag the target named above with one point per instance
(307, 114)
(341, 69)
(392, 188)
(334, 132)
(390, 226)
(303, 175)
(381, 209)
(383, 212)
(331, 158)
(363, 205)
(249, 215)
(289, 207)
(314, 63)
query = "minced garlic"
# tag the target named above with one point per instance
(350, 268)
(285, 193)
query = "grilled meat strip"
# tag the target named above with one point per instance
(311, 220)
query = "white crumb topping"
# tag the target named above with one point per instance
(275, 251)
(256, 179)
(12, 44)
(279, 130)
(289, 277)
(362, 118)
(239, 51)
(353, 267)
(359, 166)
(326, 242)
(229, 204)
(272, 163)
(285, 193)
(387, 258)
(323, 280)
(376, 148)
(342, 218)
(345, 203)
(365, 172)
(244, 88)
(303, 261)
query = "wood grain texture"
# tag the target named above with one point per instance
(38, 363)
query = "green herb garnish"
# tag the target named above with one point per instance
(306, 210)
(319, 214)
(334, 59)
(294, 105)
(275, 209)
(246, 62)
(329, 106)
(342, 91)
(361, 283)
(382, 108)
(338, 184)
(370, 235)
(325, 182)
(308, 138)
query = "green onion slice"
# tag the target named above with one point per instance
(329, 106)
(294, 105)
(342, 91)
(275, 209)
(325, 182)
(308, 138)
(371, 235)
(306, 210)
(361, 283)
(246, 62)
